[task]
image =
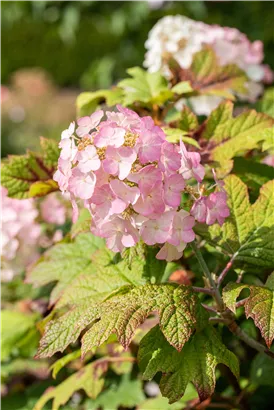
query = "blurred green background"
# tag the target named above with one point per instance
(88, 45)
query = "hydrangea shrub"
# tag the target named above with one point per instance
(171, 220)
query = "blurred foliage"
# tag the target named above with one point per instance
(92, 43)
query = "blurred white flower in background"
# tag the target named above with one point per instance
(180, 38)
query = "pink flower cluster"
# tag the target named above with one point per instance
(131, 179)
(20, 233)
(53, 210)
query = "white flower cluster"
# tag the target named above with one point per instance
(180, 38)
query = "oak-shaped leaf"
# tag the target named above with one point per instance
(179, 310)
(64, 262)
(144, 87)
(248, 233)
(90, 378)
(31, 174)
(85, 270)
(195, 363)
(259, 305)
(207, 76)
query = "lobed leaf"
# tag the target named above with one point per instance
(248, 234)
(178, 308)
(64, 262)
(195, 363)
(31, 174)
(145, 87)
(259, 305)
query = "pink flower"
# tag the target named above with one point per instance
(86, 124)
(108, 203)
(53, 210)
(170, 252)
(125, 118)
(269, 160)
(137, 190)
(190, 164)
(88, 159)
(68, 132)
(82, 185)
(157, 230)
(126, 193)
(211, 209)
(170, 159)
(151, 202)
(119, 161)
(110, 135)
(199, 209)
(268, 74)
(63, 174)
(173, 187)
(150, 142)
(217, 209)
(146, 178)
(182, 228)
(119, 233)
(68, 149)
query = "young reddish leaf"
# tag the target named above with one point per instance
(195, 363)
(259, 305)
(206, 76)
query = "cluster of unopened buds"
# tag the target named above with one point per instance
(131, 179)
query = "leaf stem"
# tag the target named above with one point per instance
(225, 271)
(241, 303)
(234, 328)
(203, 290)
(208, 275)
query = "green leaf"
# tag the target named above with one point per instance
(236, 136)
(88, 102)
(247, 235)
(43, 188)
(89, 378)
(179, 313)
(65, 330)
(188, 120)
(82, 225)
(14, 327)
(31, 174)
(265, 105)
(64, 262)
(252, 173)
(59, 364)
(127, 394)
(161, 403)
(183, 87)
(262, 370)
(268, 143)
(145, 87)
(23, 366)
(176, 134)
(196, 362)
(216, 121)
(259, 305)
